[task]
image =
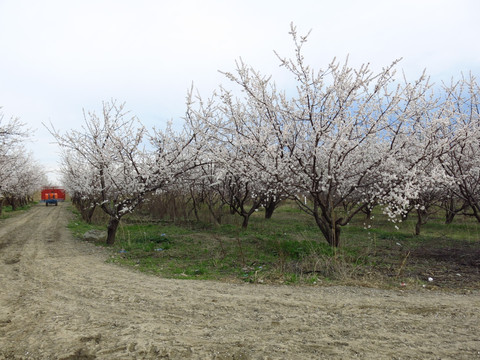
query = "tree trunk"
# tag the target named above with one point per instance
(329, 229)
(421, 220)
(270, 208)
(450, 210)
(333, 238)
(112, 230)
(13, 202)
(449, 216)
(245, 220)
(418, 225)
(368, 212)
(332, 235)
(194, 204)
(87, 213)
(476, 212)
(246, 214)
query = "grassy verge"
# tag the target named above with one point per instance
(78, 227)
(7, 211)
(289, 249)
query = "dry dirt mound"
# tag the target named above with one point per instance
(60, 300)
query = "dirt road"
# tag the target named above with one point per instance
(60, 300)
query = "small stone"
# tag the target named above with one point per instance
(95, 235)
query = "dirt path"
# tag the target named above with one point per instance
(60, 300)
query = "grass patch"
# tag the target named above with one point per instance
(7, 210)
(78, 227)
(289, 249)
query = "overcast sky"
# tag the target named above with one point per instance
(58, 57)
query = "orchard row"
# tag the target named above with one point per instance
(339, 141)
(20, 175)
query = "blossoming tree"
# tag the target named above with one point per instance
(342, 138)
(20, 175)
(462, 162)
(113, 162)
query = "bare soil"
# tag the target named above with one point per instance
(59, 299)
(452, 268)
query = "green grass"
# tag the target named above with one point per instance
(77, 226)
(7, 210)
(289, 249)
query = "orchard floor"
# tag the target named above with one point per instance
(59, 299)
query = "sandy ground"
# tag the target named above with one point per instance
(60, 300)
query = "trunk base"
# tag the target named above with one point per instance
(112, 230)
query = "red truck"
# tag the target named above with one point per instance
(52, 195)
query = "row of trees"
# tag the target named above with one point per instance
(346, 139)
(20, 175)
